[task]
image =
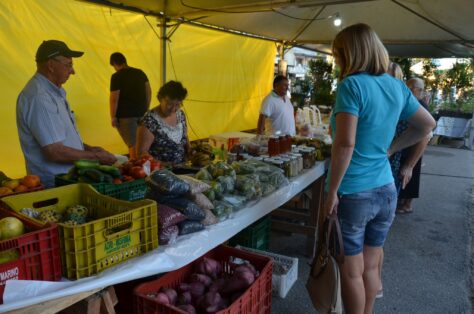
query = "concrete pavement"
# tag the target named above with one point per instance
(428, 254)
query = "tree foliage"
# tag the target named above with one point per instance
(322, 78)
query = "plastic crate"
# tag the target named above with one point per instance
(122, 230)
(128, 191)
(39, 253)
(256, 299)
(255, 236)
(285, 271)
(38, 188)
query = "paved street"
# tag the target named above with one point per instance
(427, 255)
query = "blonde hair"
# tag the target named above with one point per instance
(359, 49)
(395, 70)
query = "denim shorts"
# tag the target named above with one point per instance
(127, 128)
(365, 217)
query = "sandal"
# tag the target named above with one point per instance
(404, 210)
(379, 294)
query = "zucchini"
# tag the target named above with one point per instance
(110, 170)
(95, 175)
(86, 164)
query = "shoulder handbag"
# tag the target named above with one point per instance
(324, 281)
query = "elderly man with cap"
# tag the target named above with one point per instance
(49, 137)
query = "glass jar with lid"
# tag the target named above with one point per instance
(287, 167)
(299, 159)
(273, 146)
(307, 159)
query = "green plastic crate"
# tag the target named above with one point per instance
(127, 191)
(255, 236)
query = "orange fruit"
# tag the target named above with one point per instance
(31, 181)
(20, 188)
(5, 191)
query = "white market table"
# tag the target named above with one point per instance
(26, 293)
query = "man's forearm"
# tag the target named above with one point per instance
(65, 154)
(261, 124)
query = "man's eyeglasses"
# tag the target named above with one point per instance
(68, 65)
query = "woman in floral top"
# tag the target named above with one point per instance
(162, 132)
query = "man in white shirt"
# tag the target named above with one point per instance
(277, 108)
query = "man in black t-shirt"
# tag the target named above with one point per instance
(130, 96)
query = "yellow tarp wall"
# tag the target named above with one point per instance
(226, 75)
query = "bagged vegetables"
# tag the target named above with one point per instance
(168, 235)
(196, 186)
(202, 201)
(165, 182)
(189, 226)
(210, 219)
(187, 207)
(168, 216)
(222, 209)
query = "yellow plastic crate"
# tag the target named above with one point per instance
(121, 231)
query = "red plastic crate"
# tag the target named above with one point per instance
(256, 299)
(40, 257)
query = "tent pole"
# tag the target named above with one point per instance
(164, 39)
(282, 65)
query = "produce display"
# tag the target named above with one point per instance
(14, 186)
(201, 154)
(91, 171)
(73, 215)
(10, 227)
(209, 289)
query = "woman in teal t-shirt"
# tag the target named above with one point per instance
(360, 186)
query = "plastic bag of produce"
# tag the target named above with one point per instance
(217, 191)
(189, 226)
(243, 167)
(227, 183)
(187, 207)
(203, 175)
(248, 186)
(267, 188)
(158, 197)
(202, 201)
(168, 216)
(196, 186)
(168, 235)
(220, 169)
(236, 201)
(210, 195)
(210, 219)
(166, 182)
(222, 210)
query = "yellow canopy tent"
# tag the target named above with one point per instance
(226, 75)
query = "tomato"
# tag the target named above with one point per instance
(127, 178)
(126, 167)
(155, 165)
(31, 181)
(117, 181)
(137, 172)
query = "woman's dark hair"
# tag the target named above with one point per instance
(172, 90)
(117, 58)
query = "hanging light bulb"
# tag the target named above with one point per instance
(337, 20)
